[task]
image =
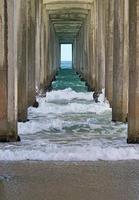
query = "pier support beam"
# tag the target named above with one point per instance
(109, 50)
(38, 44)
(44, 51)
(101, 45)
(31, 41)
(21, 62)
(8, 73)
(133, 116)
(120, 66)
(92, 48)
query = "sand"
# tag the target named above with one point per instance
(69, 181)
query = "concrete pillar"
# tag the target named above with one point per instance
(38, 44)
(59, 54)
(96, 45)
(93, 45)
(52, 60)
(109, 50)
(74, 56)
(120, 66)
(42, 67)
(21, 62)
(83, 52)
(86, 48)
(80, 53)
(133, 115)
(42, 34)
(88, 55)
(77, 54)
(101, 45)
(30, 43)
(92, 49)
(8, 73)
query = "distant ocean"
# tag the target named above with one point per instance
(66, 64)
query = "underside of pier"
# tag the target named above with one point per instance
(105, 41)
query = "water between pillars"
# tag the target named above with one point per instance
(67, 78)
(70, 126)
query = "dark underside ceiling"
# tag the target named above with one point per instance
(67, 18)
(67, 24)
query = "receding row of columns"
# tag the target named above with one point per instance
(112, 59)
(26, 61)
(106, 55)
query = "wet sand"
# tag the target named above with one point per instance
(69, 181)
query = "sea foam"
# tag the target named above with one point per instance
(70, 126)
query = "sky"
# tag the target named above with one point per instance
(66, 52)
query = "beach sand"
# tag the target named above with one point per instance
(69, 180)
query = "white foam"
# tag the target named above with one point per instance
(89, 152)
(68, 94)
(33, 127)
(70, 126)
(67, 97)
(69, 108)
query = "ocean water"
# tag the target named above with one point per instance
(67, 78)
(70, 126)
(66, 65)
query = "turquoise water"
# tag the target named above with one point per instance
(67, 78)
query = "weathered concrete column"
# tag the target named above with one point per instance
(59, 63)
(30, 54)
(95, 42)
(52, 61)
(86, 42)
(8, 73)
(38, 44)
(58, 55)
(88, 52)
(133, 115)
(77, 54)
(94, 20)
(120, 60)
(44, 51)
(21, 62)
(80, 50)
(74, 56)
(92, 48)
(109, 50)
(42, 34)
(101, 45)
